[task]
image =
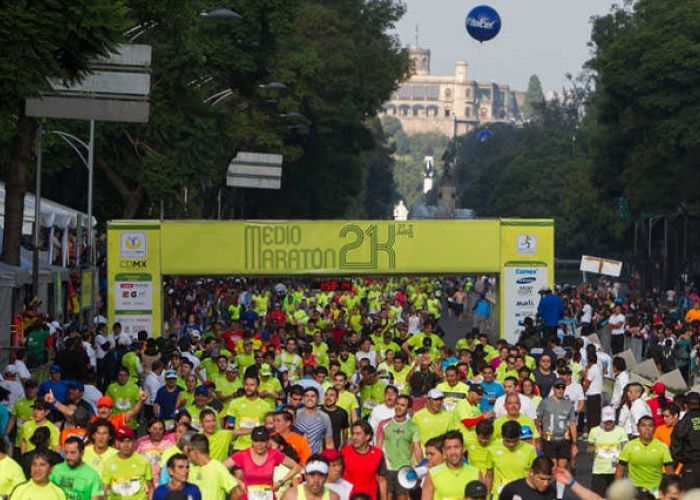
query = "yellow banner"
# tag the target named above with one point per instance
(329, 247)
(134, 276)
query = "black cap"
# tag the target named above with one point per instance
(477, 388)
(476, 489)
(260, 433)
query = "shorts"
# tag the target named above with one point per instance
(557, 449)
(392, 483)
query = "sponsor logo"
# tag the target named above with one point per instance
(530, 271)
(526, 280)
(525, 290)
(133, 264)
(133, 245)
(527, 244)
(525, 303)
(481, 22)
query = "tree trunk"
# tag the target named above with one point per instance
(16, 182)
(131, 198)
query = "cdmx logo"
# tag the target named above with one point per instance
(133, 242)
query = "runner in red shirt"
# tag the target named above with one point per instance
(364, 463)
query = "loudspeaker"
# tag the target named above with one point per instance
(409, 477)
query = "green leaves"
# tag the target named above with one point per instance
(647, 135)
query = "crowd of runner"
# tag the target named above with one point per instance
(346, 390)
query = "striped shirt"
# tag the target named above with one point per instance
(315, 426)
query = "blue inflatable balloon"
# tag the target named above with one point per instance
(484, 135)
(483, 23)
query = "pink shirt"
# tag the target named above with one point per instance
(255, 474)
(154, 451)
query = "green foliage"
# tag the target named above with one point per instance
(647, 135)
(533, 98)
(534, 171)
(45, 38)
(410, 152)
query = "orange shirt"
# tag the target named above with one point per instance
(663, 434)
(300, 445)
(118, 421)
(692, 315)
(72, 431)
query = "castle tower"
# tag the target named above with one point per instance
(420, 58)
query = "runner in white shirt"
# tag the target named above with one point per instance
(616, 324)
(385, 410)
(22, 369)
(635, 409)
(622, 378)
(593, 388)
(526, 406)
(11, 384)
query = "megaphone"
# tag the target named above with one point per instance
(409, 477)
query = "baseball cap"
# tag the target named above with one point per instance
(170, 374)
(316, 466)
(659, 388)
(331, 454)
(476, 489)
(105, 401)
(31, 383)
(608, 414)
(10, 370)
(125, 433)
(260, 433)
(559, 381)
(195, 334)
(265, 370)
(232, 367)
(202, 389)
(435, 394)
(55, 369)
(75, 384)
(565, 371)
(477, 388)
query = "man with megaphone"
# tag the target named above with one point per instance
(449, 479)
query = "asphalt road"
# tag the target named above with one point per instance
(455, 330)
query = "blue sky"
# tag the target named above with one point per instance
(544, 37)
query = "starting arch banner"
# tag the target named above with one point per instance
(519, 251)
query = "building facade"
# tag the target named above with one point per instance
(450, 104)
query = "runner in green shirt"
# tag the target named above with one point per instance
(371, 390)
(219, 439)
(125, 394)
(246, 412)
(78, 480)
(448, 480)
(40, 412)
(22, 410)
(508, 459)
(132, 362)
(433, 420)
(605, 444)
(645, 458)
(399, 437)
(270, 388)
(128, 475)
(39, 486)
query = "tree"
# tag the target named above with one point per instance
(533, 98)
(647, 136)
(40, 40)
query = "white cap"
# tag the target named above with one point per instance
(317, 466)
(435, 394)
(11, 370)
(608, 414)
(195, 334)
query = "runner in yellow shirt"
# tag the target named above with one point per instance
(508, 459)
(433, 420)
(11, 473)
(211, 476)
(39, 486)
(128, 474)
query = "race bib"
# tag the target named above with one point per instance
(248, 423)
(260, 492)
(126, 487)
(122, 404)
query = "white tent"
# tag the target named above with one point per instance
(52, 214)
